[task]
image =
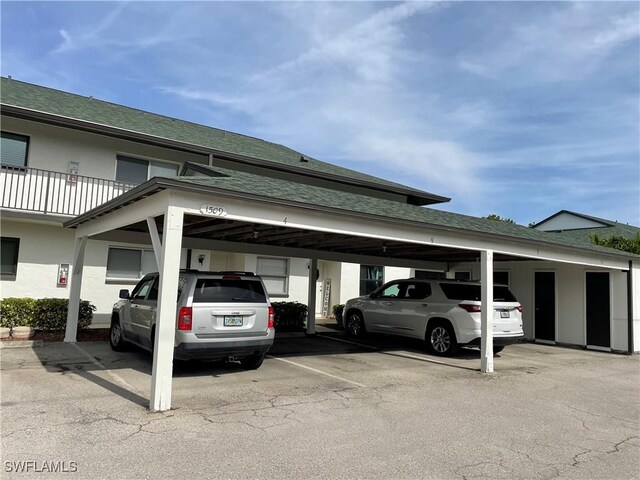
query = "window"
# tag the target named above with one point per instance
(130, 263)
(501, 278)
(371, 277)
(465, 291)
(406, 291)
(274, 273)
(13, 149)
(9, 250)
(136, 170)
(464, 275)
(143, 288)
(228, 291)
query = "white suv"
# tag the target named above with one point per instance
(444, 313)
(219, 315)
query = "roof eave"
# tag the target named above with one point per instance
(93, 127)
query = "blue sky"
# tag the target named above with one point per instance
(514, 108)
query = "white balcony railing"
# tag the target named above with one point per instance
(54, 193)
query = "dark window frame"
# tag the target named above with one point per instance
(27, 139)
(14, 274)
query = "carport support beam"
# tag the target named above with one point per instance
(71, 330)
(311, 304)
(486, 329)
(162, 372)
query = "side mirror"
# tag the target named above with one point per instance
(124, 293)
(373, 295)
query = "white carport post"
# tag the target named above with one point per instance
(169, 268)
(73, 310)
(486, 329)
(311, 303)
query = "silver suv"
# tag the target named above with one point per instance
(219, 315)
(444, 313)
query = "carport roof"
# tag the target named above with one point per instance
(284, 192)
(30, 101)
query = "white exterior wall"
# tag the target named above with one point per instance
(42, 248)
(396, 273)
(52, 148)
(350, 283)
(570, 299)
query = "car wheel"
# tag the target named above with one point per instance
(355, 324)
(441, 339)
(252, 362)
(497, 348)
(115, 336)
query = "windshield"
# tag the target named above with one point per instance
(209, 290)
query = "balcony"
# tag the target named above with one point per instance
(54, 193)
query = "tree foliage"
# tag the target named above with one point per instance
(498, 218)
(631, 245)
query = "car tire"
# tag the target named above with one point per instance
(252, 362)
(354, 324)
(441, 339)
(116, 340)
(497, 348)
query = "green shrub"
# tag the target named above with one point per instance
(289, 315)
(43, 313)
(337, 313)
(17, 312)
(51, 314)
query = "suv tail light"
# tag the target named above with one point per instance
(470, 307)
(272, 315)
(184, 318)
(519, 308)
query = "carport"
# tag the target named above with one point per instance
(245, 213)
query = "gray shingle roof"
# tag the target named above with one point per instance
(55, 102)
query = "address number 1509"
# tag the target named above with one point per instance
(213, 210)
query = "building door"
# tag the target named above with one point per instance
(545, 306)
(598, 309)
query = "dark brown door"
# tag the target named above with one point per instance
(545, 306)
(598, 309)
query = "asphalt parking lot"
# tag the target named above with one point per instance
(321, 407)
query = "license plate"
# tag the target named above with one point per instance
(233, 321)
(504, 314)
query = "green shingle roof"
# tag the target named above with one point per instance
(55, 102)
(351, 202)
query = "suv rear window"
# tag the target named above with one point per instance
(463, 291)
(210, 290)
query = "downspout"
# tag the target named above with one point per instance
(630, 307)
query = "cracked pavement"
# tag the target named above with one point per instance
(546, 413)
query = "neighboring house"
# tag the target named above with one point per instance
(64, 154)
(580, 226)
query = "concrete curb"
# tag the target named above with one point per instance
(22, 344)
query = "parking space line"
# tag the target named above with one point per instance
(400, 354)
(317, 371)
(347, 341)
(115, 376)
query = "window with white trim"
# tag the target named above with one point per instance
(9, 249)
(130, 263)
(371, 277)
(275, 274)
(137, 170)
(13, 149)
